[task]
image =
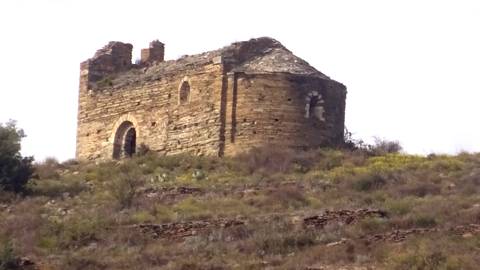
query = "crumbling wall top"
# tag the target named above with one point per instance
(258, 55)
(156, 43)
(114, 57)
(154, 53)
(115, 48)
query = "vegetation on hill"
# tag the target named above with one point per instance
(272, 208)
(15, 170)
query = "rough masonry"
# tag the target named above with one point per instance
(221, 102)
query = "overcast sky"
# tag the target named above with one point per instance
(411, 67)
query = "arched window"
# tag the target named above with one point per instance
(125, 141)
(314, 106)
(184, 92)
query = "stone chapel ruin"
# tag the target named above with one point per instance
(221, 102)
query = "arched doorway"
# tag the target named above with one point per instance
(125, 141)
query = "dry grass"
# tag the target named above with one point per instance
(80, 216)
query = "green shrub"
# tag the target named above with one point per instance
(399, 207)
(373, 225)
(163, 213)
(8, 260)
(142, 216)
(80, 263)
(382, 147)
(101, 173)
(368, 182)
(288, 198)
(281, 238)
(446, 163)
(428, 258)
(191, 208)
(56, 188)
(48, 169)
(415, 261)
(15, 170)
(124, 185)
(267, 159)
(73, 232)
(329, 159)
(142, 150)
(424, 221)
(420, 189)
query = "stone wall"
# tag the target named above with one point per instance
(204, 104)
(153, 107)
(271, 109)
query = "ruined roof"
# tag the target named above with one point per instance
(259, 55)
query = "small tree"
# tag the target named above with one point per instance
(15, 170)
(382, 147)
(125, 183)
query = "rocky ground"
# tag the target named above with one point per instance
(270, 209)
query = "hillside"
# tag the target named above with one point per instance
(270, 209)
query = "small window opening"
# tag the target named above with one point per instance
(184, 93)
(312, 105)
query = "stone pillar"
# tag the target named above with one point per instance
(154, 53)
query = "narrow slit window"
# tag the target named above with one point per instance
(184, 93)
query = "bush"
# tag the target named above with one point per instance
(143, 149)
(431, 261)
(281, 238)
(372, 225)
(420, 189)
(382, 147)
(15, 170)
(399, 207)
(123, 187)
(368, 182)
(268, 159)
(58, 188)
(425, 221)
(7, 257)
(47, 169)
(422, 259)
(287, 198)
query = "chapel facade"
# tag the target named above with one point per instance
(221, 102)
